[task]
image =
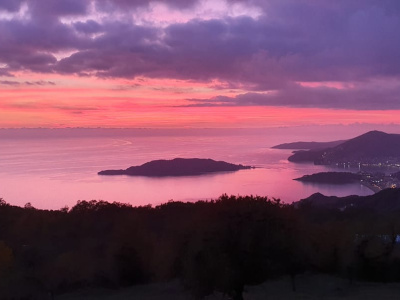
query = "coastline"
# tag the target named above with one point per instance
(370, 186)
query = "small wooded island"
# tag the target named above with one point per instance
(177, 167)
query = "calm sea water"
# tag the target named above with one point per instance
(53, 168)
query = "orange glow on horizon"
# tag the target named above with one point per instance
(73, 101)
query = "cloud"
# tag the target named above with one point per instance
(290, 41)
(8, 82)
(263, 52)
(359, 98)
(88, 27)
(106, 5)
(10, 5)
(40, 82)
(49, 105)
(27, 83)
(46, 9)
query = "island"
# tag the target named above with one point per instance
(331, 178)
(177, 167)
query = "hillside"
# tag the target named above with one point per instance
(371, 147)
(208, 248)
(385, 201)
(177, 167)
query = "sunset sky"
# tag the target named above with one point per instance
(193, 63)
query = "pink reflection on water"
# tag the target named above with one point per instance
(53, 172)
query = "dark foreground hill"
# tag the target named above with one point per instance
(385, 201)
(177, 167)
(371, 147)
(221, 246)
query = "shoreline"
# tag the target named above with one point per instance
(370, 186)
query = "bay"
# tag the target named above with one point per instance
(54, 168)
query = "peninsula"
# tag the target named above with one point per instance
(308, 145)
(177, 167)
(374, 148)
(374, 181)
(331, 178)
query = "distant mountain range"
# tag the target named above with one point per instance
(308, 145)
(371, 147)
(177, 167)
(387, 200)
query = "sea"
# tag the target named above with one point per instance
(54, 168)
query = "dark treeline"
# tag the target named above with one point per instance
(221, 245)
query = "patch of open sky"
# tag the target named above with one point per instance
(64, 54)
(162, 15)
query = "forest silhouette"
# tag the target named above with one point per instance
(216, 246)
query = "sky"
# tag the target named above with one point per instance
(194, 63)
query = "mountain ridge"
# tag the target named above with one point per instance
(387, 200)
(370, 147)
(308, 145)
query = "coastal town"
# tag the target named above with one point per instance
(386, 174)
(379, 181)
(375, 181)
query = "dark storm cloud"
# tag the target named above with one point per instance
(36, 62)
(31, 45)
(291, 41)
(10, 5)
(122, 51)
(230, 49)
(322, 45)
(47, 8)
(38, 36)
(89, 26)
